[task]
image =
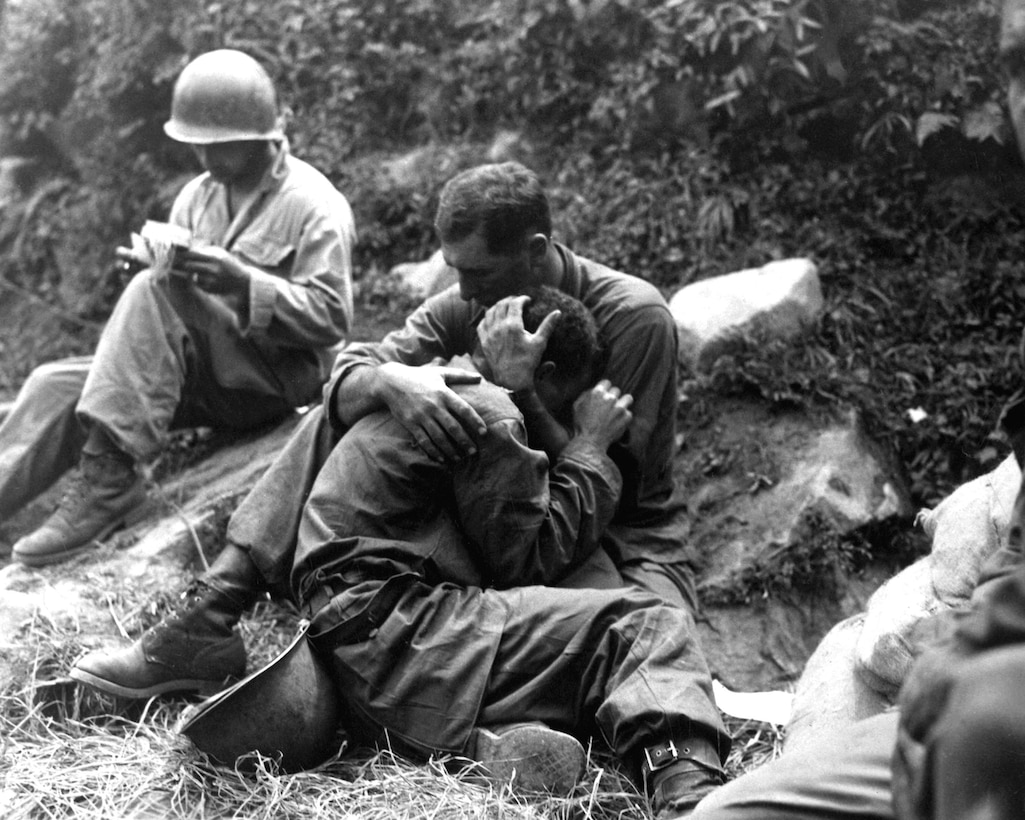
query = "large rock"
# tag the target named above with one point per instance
(771, 496)
(768, 479)
(423, 279)
(781, 299)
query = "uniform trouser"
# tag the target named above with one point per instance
(41, 438)
(168, 356)
(446, 658)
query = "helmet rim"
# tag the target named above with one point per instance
(223, 96)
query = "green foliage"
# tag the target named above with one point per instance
(948, 78)
(38, 65)
(818, 561)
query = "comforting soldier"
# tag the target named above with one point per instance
(242, 329)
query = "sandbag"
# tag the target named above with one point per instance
(885, 648)
(830, 695)
(966, 528)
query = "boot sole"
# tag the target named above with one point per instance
(204, 688)
(133, 517)
(532, 757)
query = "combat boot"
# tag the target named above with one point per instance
(102, 496)
(531, 756)
(679, 775)
(194, 648)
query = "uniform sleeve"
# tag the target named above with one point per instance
(312, 305)
(642, 362)
(531, 524)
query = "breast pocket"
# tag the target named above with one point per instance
(265, 253)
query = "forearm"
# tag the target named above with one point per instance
(543, 431)
(531, 524)
(438, 329)
(357, 394)
(315, 312)
(584, 488)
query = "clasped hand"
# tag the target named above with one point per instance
(212, 269)
(602, 414)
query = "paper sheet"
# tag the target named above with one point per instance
(771, 707)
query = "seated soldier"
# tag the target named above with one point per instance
(241, 329)
(412, 570)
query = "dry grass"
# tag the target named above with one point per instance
(69, 753)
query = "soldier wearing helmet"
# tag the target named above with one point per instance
(235, 328)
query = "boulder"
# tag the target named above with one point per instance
(775, 474)
(423, 279)
(781, 300)
(770, 496)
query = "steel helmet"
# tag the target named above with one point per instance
(288, 709)
(223, 96)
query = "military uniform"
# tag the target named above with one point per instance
(173, 355)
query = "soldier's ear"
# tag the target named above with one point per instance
(537, 246)
(545, 372)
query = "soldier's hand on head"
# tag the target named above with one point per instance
(439, 422)
(513, 352)
(602, 414)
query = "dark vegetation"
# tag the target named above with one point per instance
(680, 138)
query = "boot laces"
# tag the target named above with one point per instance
(74, 500)
(187, 602)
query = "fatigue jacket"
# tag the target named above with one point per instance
(296, 236)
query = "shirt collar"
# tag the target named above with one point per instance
(277, 171)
